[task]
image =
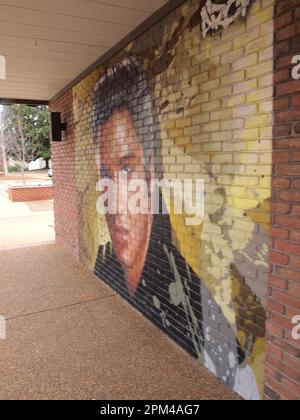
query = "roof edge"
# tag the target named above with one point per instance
(12, 101)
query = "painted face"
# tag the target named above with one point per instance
(121, 152)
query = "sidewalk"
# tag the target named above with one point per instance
(71, 337)
(31, 176)
(24, 223)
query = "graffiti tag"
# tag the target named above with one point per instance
(296, 329)
(296, 68)
(218, 16)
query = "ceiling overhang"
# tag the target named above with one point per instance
(50, 46)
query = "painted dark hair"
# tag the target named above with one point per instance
(126, 85)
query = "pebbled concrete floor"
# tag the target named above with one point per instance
(71, 337)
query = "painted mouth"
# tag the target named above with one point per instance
(121, 235)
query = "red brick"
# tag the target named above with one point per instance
(290, 339)
(294, 287)
(288, 87)
(291, 143)
(295, 262)
(66, 194)
(296, 184)
(286, 347)
(283, 20)
(291, 312)
(279, 233)
(296, 100)
(297, 128)
(292, 362)
(291, 386)
(280, 48)
(287, 247)
(271, 395)
(277, 282)
(274, 329)
(283, 368)
(281, 157)
(30, 194)
(296, 156)
(283, 5)
(280, 390)
(281, 103)
(274, 351)
(295, 236)
(275, 306)
(282, 75)
(278, 207)
(282, 183)
(287, 274)
(272, 373)
(278, 258)
(286, 299)
(282, 130)
(287, 116)
(284, 61)
(285, 33)
(288, 170)
(290, 196)
(290, 222)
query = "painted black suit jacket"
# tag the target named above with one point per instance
(172, 296)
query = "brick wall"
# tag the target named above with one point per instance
(283, 352)
(194, 107)
(30, 194)
(65, 194)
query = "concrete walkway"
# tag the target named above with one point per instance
(71, 337)
(24, 223)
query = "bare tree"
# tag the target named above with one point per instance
(26, 130)
(19, 136)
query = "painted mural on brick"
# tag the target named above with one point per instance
(180, 103)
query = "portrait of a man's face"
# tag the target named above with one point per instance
(122, 153)
(124, 145)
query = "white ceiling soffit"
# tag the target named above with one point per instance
(47, 43)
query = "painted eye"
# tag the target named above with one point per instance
(127, 169)
(106, 175)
